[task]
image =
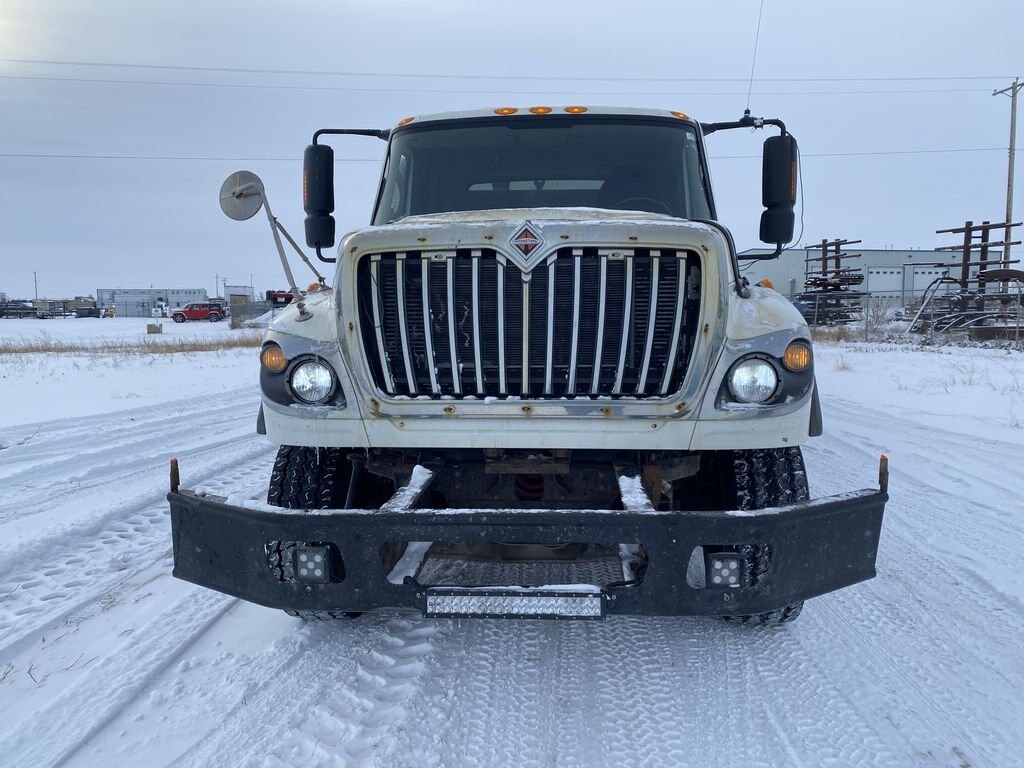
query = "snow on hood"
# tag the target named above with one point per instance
(535, 214)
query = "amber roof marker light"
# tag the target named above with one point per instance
(575, 110)
(540, 110)
(506, 110)
(405, 121)
(681, 115)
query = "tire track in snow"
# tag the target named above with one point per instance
(829, 731)
(934, 673)
(951, 463)
(68, 457)
(482, 662)
(96, 556)
(50, 736)
(647, 691)
(337, 704)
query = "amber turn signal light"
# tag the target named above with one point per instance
(797, 357)
(273, 359)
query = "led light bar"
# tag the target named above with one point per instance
(507, 604)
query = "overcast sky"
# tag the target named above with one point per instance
(827, 69)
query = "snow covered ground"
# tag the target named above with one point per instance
(105, 659)
(42, 387)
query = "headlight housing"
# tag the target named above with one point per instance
(753, 380)
(312, 382)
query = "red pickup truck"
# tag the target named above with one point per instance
(199, 310)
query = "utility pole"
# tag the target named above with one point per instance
(216, 285)
(1011, 91)
(35, 284)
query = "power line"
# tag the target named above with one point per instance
(296, 159)
(356, 89)
(868, 154)
(450, 76)
(205, 158)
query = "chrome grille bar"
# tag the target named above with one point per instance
(428, 340)
(450, 271)
(476, 324)
(403, 328)
(526, 336)
(677, 322)
(574, 347)
(589, 293)
(595, 379)
(651, 316)
(378, 325)
(549, 351)
(502, 379)
(626, 321)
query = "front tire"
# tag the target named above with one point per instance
(319, 478)
(747, 480)
(309, 478)
(178, 318)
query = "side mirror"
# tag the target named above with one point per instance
(778, 189)
(318, 195)
(241, 195)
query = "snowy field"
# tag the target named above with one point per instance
(42, 387)
(107, 660)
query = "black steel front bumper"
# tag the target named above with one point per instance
(816, 547)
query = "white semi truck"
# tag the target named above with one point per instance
(537, 386)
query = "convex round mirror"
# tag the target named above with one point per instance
(241, 195)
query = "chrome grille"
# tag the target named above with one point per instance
(586, 322)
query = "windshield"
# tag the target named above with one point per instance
(612, 163)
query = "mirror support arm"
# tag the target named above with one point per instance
(747, 121)
(272, 220)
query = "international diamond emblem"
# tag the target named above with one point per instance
(526, 241)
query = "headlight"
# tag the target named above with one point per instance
(312, 382)
(753, 380)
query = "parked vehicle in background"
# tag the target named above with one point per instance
(200, 310)
(19, 309)
(279, 298)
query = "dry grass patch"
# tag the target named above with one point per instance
(123, 347)
(830, 333)
(841, 364)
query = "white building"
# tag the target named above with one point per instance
(140, 302)
(902, 275)
(239, 294)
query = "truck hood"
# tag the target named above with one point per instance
(534, 214)
(553, 227)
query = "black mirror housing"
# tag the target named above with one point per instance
(777, 226)
(778, 189)
(318, 195)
